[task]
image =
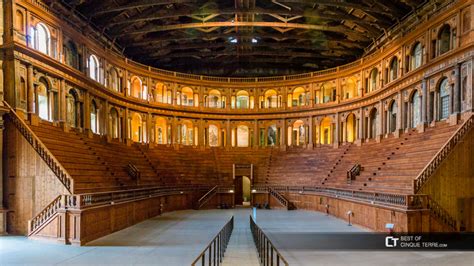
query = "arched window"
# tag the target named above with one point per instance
(160, 92)
(374, 74)
(242, 100)
(213, 136)
(43, 100)
(393, 69)
(72, 107)
(416, 56)
(19, 21)
(393, 117)
(136, 87)
(114, 123)
(71, 57)
(93, 63)
(214, 99)
(444, 39)
(42, 39)
(444, 99)
(271, 99)
(114, 80)
(415, 112)
(94, 118)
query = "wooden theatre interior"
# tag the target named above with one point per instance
(115, 112)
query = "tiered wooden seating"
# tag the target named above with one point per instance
(89, 173)
(301, 167)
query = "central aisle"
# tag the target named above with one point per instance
(241, 249)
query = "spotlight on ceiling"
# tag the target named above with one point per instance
(233, 40)
(254, 40)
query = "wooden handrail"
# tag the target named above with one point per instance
(133, 172)
(353, 172)
(206, 197)
(442, 154)
(41, 149)
(282, 199)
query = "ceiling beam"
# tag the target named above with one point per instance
(153, 28)
(139, 4)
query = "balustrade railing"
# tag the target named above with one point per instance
(399, 200)
(213, 254)
(41, 149)
(41, 218)
(267, 252)
(442, 154)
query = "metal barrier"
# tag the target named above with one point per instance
(267, 252)
(216, 249)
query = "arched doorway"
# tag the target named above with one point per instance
(392, 117)
(373, 121)
(415, 111)
(326, 131)
(114, 123)
(137, 127)
(242, 136)
(161, 131)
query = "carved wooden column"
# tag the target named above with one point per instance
(30, 89)
(424, 102)
(284, 130)
(3, 210)
(310, 133)
(228, 141)
(255, 134)
(361, 124)
(457, 90)
(336, 131)
(62, 101)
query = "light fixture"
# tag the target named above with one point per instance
(254, 191)
(254, 40)
(231, 191)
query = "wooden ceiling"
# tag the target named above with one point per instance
(242, 37)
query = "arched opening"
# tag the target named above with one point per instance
(298, 133)
(214, 99)
(374, 74)
(187, 96)
(114, 123)
(43, 100)
(272, 136)
(242, 136)
(161, 129)
(93, 67)
(373, 122)
(22, 89)
(43, 39)
(444, 39)
(19, 21)
(94, 118)
(326, 131)
(242, 100)
(329, 92)
(136, 87)
(416, 56)
(136, 126)
(271, 99)
(444, 99)
(72, 107)
(160, 92)
(350, 88)
(415, 110)
(186, 133)
(213, 136)
(297, 98)
(114, 80)
(71, 56)
(393, 69)
(392, 117)
(350, 127)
